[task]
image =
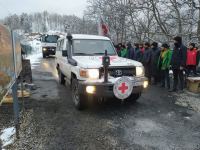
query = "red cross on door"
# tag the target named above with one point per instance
(123, 88)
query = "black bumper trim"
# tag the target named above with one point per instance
(104, 89)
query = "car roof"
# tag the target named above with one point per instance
(91, 37)
(86, 37)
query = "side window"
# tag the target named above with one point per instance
(64, 48)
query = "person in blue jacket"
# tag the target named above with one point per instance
(130, 50)
(138, 53)
(146, 61)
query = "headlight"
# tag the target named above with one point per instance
(89, 73)
(93, 73)
(44, 49)
(139, 71)
(90, 89)
(145, 84)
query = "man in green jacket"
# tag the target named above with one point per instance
(124, 52)
(164, 64)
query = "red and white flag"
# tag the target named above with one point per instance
(103, 28)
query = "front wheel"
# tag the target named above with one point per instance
(44, 55)
(77, 98)
(133, 97)
(61, 77)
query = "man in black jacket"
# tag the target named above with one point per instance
(131, 52)
(146, 61)
(138, 53)
(178, 62)
(154, 62)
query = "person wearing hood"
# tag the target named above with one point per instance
(154, 61)
(124, 52)
(146, 60)
(164, 64)
(191, 59)
(130, 50)
(138, 53)
(118, 48)
(178, 63)
(141, 46)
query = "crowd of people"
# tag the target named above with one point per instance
(159, 60)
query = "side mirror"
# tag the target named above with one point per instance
(64, 53)
(69, 37)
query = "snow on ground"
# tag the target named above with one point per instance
(7, 136)
(190, 100)
(35, 59)
(36, 54)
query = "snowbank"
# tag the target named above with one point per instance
(35, 59)
(7, 136)
(189, 100)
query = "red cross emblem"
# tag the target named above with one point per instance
(123, 88)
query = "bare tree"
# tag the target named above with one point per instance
(43, 22)
(139, 20)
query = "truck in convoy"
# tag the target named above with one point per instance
(10, 60)
(91, 67)
(48, 44)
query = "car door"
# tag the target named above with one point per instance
(58, 53)
(65, 66)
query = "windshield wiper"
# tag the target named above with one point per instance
(82, 54)
(101, 54)
(97, 53)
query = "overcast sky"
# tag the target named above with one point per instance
(68, 7)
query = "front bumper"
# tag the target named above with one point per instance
(106, 89)
(49, 50)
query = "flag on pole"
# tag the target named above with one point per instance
(103, 28)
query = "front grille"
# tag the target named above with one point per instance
(51, 48)
(119, 71)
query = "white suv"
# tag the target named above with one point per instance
(79, 64)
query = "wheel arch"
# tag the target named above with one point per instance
(73, 76)
(57, 66)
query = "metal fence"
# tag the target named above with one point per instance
(10, 59)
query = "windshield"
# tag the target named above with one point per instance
(50, 38)
(92, 47)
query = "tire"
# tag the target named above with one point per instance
(134, 97)
(44, 56)
(61, 77)
(77, 98)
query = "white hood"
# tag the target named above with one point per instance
(48, 44)
(96, 61)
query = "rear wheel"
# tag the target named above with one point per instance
(77, 98)
(61, 77)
